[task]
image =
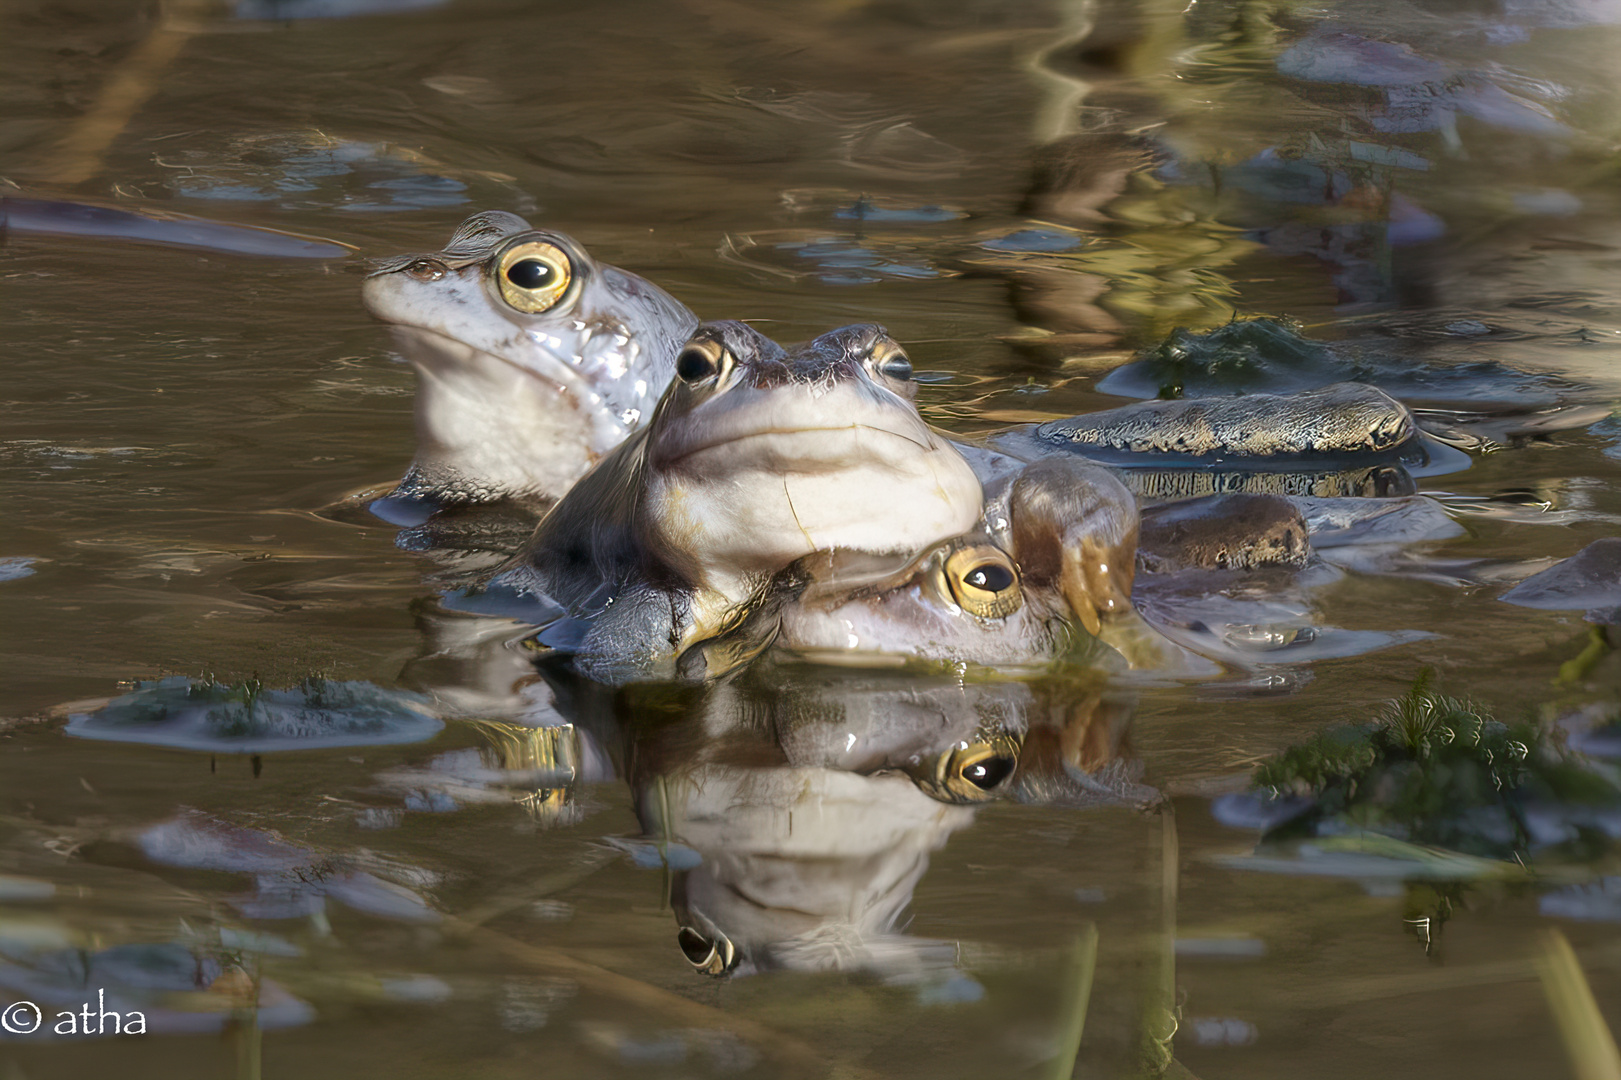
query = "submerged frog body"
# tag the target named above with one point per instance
(533, 361)
(1224, 532)
(1225, 578)
(1230, 577)
(1345, 418)
(755, 457)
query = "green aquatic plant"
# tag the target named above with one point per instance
(247, 716)
(1242, 354)
(1439, 770)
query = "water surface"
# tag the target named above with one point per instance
(1024, 195)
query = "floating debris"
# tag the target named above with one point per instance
(1035, 240)
(143, 988)
(1338, 57)
(13, 569)
(248, 718)
(56, 218)
(290, 881)
(1589, 580)
(1595, 901)
(311, 170)
(1210, 1031)
(325, 9)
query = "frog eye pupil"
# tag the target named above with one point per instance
(986, 773)
(991, 577)
(694, 365)
(897, 367)
(531, 274)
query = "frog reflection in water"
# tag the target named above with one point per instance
(811, 796)
(813, 804)
(533, 361)
(755, 457)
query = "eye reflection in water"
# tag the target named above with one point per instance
(795, 809)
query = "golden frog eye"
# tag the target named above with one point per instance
(707, 957)
(702, 359)
(970, 771)
(533, 276)
(983, 581)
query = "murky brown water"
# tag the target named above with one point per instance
(172, 421)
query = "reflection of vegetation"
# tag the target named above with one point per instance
(1428, 907)
(1438, 770)
(1240, 356)
(1079, 969)
(1586, 1036)
(1595, 647)
(1165, 268)
(546, 756)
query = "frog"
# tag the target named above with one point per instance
(755, 456)
(1067, 570)
(1046, 574)
(524, 383)
(1346, 439)
(533, 360)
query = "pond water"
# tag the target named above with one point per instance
(1025, 195)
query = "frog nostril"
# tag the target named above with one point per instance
(426, 269)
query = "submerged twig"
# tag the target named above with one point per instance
(1083, 959)
(1586, 1036)
(80, 154)
(789, 1052)
(497, 905)
(1161, 1020)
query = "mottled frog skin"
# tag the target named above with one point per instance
(533, 360)
(1224, 532)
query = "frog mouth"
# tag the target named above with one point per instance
(798, 433)
(804, 449)
(474, 400)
